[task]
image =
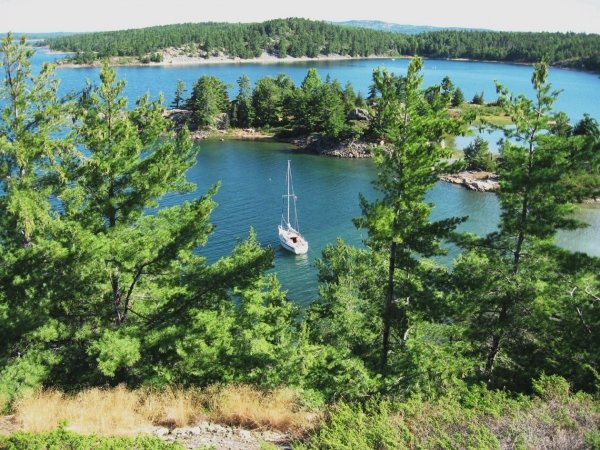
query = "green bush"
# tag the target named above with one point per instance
(592, 439)
(356, 427)
(551, 387)
(66, 440)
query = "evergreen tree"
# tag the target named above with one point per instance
(307, 100)
(477, 155)
(345, 315)
(331, 111)
(458, 98)
(509, 281)
(349, 98)
(585, 156)
(447, 88)
(267, 103)
(179, 90)
(35, 157)
(384, 93)
(287, 91)
(478, 99)
(361, 102)
(399, 222)
(242, 114)
(209, 98)
(124, 260)
(32, 116)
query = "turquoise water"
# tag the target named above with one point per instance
(253, 173)
(252, 176)
(253, 180)
(581, 90)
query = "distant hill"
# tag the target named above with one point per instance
(398, 28)
(308, 38)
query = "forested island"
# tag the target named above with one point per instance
(307, 38)
(113, 323)
(324, 117)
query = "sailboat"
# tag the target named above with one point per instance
(289, 232)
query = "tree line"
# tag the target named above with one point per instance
(301, 37)
(336, 113)
(315, 106)
(95, 289)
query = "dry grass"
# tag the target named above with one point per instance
(102, 411)
(245, 406)
(172, 407)
(119, 411)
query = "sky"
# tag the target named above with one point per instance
(98, 15)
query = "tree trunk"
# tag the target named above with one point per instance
(389, 304)
(117, 297)
(495, 346)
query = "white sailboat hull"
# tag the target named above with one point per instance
(292, 241)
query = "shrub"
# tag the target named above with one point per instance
(478, 99)
(61, 439)
(551, 387)
(357, 427)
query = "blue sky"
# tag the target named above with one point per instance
(86, 15)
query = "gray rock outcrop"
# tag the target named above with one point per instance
(474, 181)
(359, 114)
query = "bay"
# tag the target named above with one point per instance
(252, 174)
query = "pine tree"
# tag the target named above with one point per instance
(179, 90)
(399, 222)
(242, 113)
(331, 118)
(508, 280)
(266, 102)
(306, 101)
(209, 98)
(478, 156)
(35, 156)
(122, 263)
(478, 99)
(32, 116)
(133, 160)
(458, 98)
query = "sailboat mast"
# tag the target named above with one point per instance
(288, 193)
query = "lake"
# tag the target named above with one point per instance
(253, 173)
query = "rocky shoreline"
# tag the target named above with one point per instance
(474, 180)
(178, 57)
(592, 201)
(349, 148)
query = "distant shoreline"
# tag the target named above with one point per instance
(172, 60)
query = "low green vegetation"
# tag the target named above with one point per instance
(62, 439)
(476, 418)
(99, 287)
(301, 37)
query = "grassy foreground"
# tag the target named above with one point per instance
(477, 419)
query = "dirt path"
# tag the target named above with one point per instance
(223, 437)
